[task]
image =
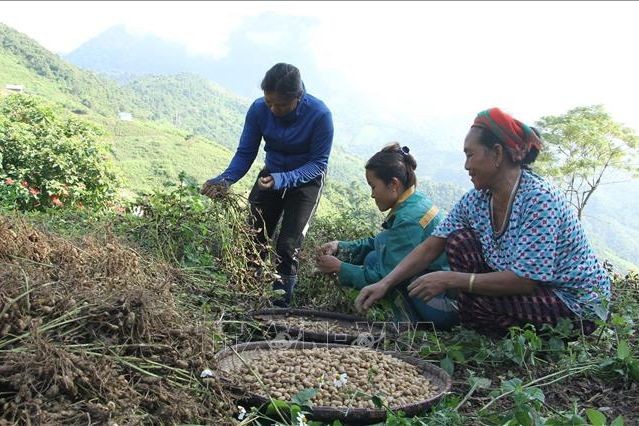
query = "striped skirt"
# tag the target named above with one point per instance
(498, 313)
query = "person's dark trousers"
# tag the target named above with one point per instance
(296, 207)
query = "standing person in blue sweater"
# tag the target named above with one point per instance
(297, 129)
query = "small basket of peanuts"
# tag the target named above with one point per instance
(346, 379)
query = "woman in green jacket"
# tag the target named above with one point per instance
(412, 218)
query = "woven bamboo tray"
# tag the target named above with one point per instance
(229, 360)
(364, 332)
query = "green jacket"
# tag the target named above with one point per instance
(410, 222)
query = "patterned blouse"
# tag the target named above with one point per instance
(542, 241)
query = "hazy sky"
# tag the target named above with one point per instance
(415, 58)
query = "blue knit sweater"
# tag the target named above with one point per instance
(297, 145)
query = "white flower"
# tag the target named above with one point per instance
(138, 211)
(206, 373)
(341, 380)
(242, 411)
(301, 420)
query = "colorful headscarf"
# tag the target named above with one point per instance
(517, 137)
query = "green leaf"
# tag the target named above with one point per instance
(556, 344)
(523, 417)
(360, 394)
(447, 364)
(535, 394)
(607, 362)
(617, 421)
(457, 355)
(512, 384)
(304, 396)
(568, 420)
(600, 310)
(596, 417)
(277, 405)
(623, 350)
(633, 369)
(377, 401)
(479, 382)
(295, 410)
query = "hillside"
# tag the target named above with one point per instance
(72, 87)
(192, 103)
(188, 124)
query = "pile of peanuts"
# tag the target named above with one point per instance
(314, 325)
(338, 375)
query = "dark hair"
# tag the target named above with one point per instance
(489, 140)
(531, 156)
(391, 162)
(283, 79)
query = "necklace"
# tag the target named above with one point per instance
(498, 234)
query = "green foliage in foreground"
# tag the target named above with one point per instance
(511, 380)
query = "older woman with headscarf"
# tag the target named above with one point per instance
(517, 251)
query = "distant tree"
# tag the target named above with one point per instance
(580, 147)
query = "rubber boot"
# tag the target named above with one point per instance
(286, 283)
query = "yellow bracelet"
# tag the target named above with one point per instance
(471, 281)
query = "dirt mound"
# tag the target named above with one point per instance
(90, 332)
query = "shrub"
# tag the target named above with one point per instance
(49, 160)
(208, 238)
